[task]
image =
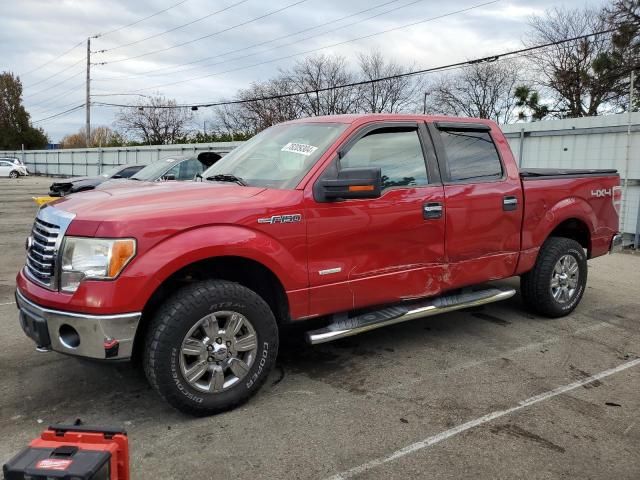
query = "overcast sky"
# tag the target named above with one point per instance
(37, 31)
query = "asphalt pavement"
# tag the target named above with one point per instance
(490, 393)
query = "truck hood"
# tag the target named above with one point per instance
(145, 200)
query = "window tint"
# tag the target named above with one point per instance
(127, 172)
(189, 169)
(172, 172)
(6, 164)
(397, 152)
(471, 155)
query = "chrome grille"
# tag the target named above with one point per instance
(42, 249)
(40, 256)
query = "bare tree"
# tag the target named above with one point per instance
(386, 96)
(579, 74)
(101, 136)
(263, 104)
(157, 121)
(624, 16)
(317, 76)
(484, 90)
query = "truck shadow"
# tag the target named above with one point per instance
(97, 392)
(353, 363)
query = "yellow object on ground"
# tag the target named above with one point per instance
(43, 200)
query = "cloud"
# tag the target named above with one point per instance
(36, 31)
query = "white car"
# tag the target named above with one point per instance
(12, 168)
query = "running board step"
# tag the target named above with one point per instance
(343, 326)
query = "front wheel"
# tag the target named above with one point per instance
(558, 280)
(13, 174)
(210, 347)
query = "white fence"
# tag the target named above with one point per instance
(592, 142)
(93, 161)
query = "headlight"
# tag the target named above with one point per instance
(93, 258)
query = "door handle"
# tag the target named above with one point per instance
(432, 210)
(509, 203)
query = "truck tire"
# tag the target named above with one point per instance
(210, 347)
(557, 282)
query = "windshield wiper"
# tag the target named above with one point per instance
(227, 177)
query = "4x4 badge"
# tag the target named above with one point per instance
(295, 217)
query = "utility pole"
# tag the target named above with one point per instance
(87, 102)
(424, 102)
(625, 199)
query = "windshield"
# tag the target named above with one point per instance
(112, 171)
(280, 156)
(155, 170)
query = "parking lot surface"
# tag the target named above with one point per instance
(491, 393)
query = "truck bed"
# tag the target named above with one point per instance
(534, 173)
(586, 196)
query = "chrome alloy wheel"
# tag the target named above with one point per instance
(218, 351)
(564, 279)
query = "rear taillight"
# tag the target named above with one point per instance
(616, 198)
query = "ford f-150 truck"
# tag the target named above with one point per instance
(356, 221)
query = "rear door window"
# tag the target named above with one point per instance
(471, 156)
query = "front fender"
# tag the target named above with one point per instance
(185, 248)
(136, 284)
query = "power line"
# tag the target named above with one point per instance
(321, 48)
(300, 40)
(96, 36)
(491, 58)
(46, 111)
(172, 29)
(109, 32)
(66, 112)
(55, 85)
(51, 100)
(273, 12)
(53, 59)
(259, 44)
(56, 74)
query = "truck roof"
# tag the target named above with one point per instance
(370, 117)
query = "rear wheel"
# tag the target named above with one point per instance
(210, 347)
(557, 282)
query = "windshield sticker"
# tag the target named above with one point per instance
(301, 148)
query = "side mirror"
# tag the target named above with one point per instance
(169, 176)
(117, 175)
(352, 183)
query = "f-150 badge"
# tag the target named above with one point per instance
(294, 217)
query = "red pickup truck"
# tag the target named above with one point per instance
(357, 221)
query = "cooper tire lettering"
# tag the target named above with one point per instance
(175, 319)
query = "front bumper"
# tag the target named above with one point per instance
(93, 336)
(616, 243)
